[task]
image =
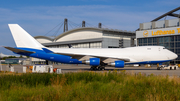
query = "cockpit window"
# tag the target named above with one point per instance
(164, 48)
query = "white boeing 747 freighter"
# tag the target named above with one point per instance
(96, 58)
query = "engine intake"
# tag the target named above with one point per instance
(93, 62)
(117, 64)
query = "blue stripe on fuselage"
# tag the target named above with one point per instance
(50, 56)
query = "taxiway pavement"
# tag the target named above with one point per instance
(79, 68)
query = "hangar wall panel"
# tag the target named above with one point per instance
(126, 42)
(110, 42)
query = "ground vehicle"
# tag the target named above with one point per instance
(167, 67)
(42, 69)
(38, 69)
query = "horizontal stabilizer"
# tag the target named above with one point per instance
(18, 50)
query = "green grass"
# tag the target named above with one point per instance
(89, 86)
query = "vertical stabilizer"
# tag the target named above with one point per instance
(22, 38)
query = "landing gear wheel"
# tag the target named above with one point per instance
(174, 68)
(103, 68)
(99, 68)
(93, 68)
(158, 68)
(170, 68)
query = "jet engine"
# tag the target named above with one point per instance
(92, 61)
(117, 64)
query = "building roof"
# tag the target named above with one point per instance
(44, 37)
(127, 33)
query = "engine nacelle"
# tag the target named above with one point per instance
(93, 61)
(117, 64)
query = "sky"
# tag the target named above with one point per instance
(39, 17)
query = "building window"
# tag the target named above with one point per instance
(149, 40)
(166, 39)
(177, 44)
(166, 45)
(172, 38)
(172, 50)
(154, 44)
(177, 38)
(161, 40)
(140, 44)
(154, 40)
(178, 51)
(145, 40)
(171, 45)
(161, 44)
(140, 41)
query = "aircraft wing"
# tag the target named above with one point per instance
(82, 57)
(18, 50)
(103, 58)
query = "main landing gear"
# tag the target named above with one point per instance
(97, 67)
(100, 67)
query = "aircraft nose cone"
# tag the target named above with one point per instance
(176, 56)
(172, 56)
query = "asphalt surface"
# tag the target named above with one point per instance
(80, 68)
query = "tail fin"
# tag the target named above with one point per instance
(22, 38)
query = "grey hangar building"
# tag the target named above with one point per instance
(89, 37)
